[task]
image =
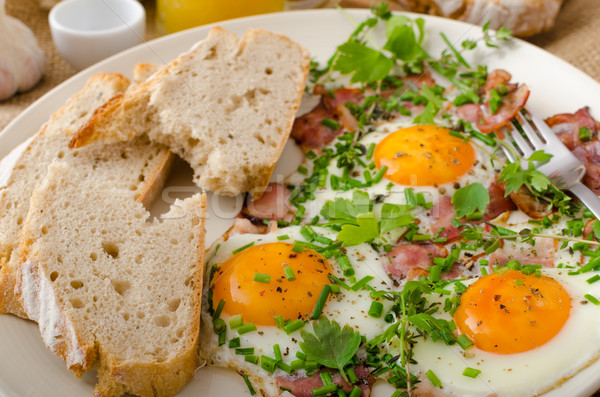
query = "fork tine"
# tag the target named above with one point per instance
(531, 131)
(550, 138)
(523, 144)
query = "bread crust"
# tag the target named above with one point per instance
(81, 348)
(148, 107)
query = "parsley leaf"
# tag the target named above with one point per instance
(332, 347)
(364, 63)
(428, 115)
(394, 216)
(403, 44)
(469, 199)
(365, 230)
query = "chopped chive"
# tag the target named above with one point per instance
(420, 199)
(277, 351)
(361, 283)
(421, 237)
(435, 381)
(298, 247)
(355, 392)
(267, 363)
(302, 170)
(471, 372)
(592, 299)
(244, 329)
(244, 351)
(284, 367)
(335, 289)
(311, 365)
(251, 358)
(237, 251)
(220, 307)
(279, 322)
(235, 342)
(219, 326)
(323, 239)
(339, 282)
(293, 326)
(593, 279)
(250, 388)
(475, 216)
(345, 265)
(435, 273)
(289, 273)
(464, 342)
(236, 321)
(318, 309)
(310, 155)
(370, 151)
(283, 237)
(297, 364)
(308, 233)
(585, 134)
(380, 174)
(301, 356)
(222, 338)
(411, 199)
(326, 378)
(323, 391)
(352, 375)
(330, 123)
(376, 309)
(262, 278)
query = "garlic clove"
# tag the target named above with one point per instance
(22, 61)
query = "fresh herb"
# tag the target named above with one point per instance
(330, 345)
(469, 199)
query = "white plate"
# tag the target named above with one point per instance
(27, 368)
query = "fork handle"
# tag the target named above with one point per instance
(587, 197)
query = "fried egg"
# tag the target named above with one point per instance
(529, 333)
(426, 158)
(232, 266)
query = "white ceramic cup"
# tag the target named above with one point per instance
(87, 31)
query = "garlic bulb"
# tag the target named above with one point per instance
(22, 61)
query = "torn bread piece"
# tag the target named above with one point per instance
(112, 288)
(226, 107)
(139, 165)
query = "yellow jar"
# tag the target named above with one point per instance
(176, 15)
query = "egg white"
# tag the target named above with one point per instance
(347, 308)
(391, 192)
(528, 373)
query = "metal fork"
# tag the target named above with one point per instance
(531, 133)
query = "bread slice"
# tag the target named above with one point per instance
(226, 107)
(522, 17)
(139, 166)
(110, 287)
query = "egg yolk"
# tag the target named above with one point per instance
(259, 302)
(512, 312)
(423, 155)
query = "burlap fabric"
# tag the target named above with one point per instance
(575, 38)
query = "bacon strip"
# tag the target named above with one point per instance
(442, 214)
(309, 131)
(498, 203)
(540, 254)
(566, 126)
(302, 386)
(409, 260)
(512, 102)
(274, 204)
